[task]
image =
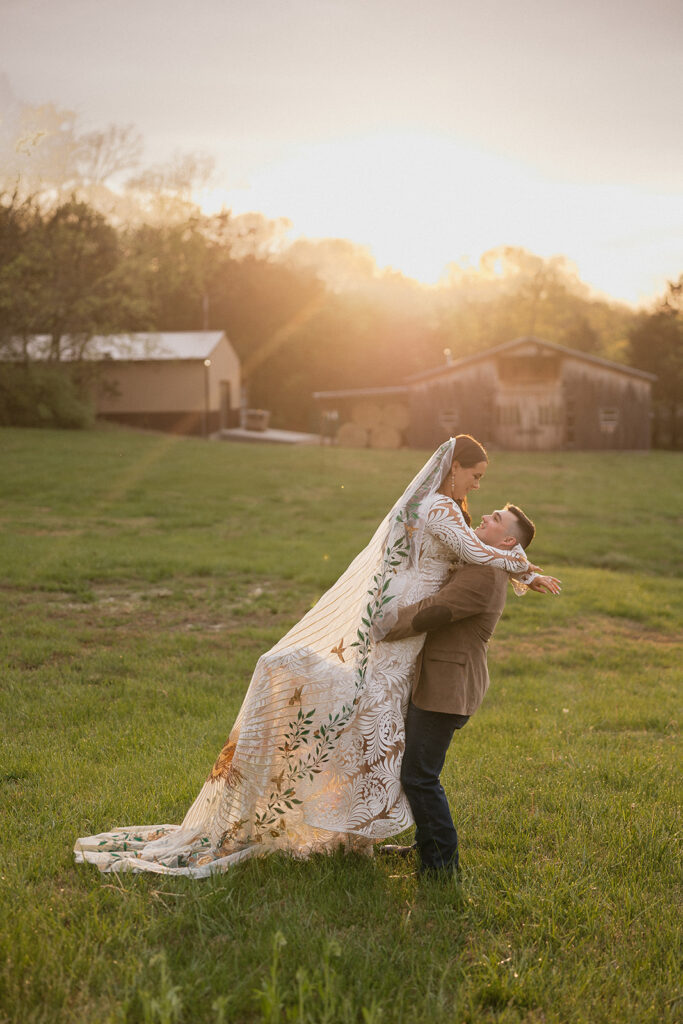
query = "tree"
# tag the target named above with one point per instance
(103, 154)
(65, 274)
(38, 147)
(514, 293)
(165, 193)
(20, 283)
(656, 345)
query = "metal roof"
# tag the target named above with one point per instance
(457, 364)
(141, 346)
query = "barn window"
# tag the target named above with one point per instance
(548, 414)
(609, 418)
(509, 415)
(528, 369)
(448, 418)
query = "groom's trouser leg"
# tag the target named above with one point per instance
(428, 736)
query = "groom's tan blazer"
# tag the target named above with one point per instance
(452, 673)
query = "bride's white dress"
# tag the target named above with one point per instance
(313, 760)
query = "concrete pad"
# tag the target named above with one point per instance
(266, 436)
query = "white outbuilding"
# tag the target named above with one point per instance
(184, 382)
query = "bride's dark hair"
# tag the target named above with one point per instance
(467, 452)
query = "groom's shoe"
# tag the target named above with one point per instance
(396, 851)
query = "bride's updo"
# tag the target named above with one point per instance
(467, 453)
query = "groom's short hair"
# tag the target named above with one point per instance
(524, 529)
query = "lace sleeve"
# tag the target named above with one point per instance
(446, 521)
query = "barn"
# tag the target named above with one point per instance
(527, 394)
(184, 382)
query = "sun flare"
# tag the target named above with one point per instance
(420, 202)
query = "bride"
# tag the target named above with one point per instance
(313, 759)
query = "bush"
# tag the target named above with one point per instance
(38, 395)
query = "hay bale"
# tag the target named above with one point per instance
(366, 414)
(396, 414)
(385, 437)
(352, 435)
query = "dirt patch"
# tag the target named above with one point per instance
(53, 532)
(597, 633)
(196, 605)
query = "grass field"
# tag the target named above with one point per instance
(140, 578)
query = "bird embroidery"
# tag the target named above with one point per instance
(277, 779)
(339, 650)
(296, 698)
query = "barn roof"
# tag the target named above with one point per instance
(396, 389)
(152, 345)
(141, 346)
(448, 368)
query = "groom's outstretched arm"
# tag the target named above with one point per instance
(467, 593)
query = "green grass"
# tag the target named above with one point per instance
(141, 578)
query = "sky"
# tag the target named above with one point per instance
(428, 131)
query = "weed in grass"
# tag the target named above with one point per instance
(162, 1006)
(270, 995)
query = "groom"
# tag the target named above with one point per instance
(451, 679)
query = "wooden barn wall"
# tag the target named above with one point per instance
(591, 396)
(578, 405)
(462, 404)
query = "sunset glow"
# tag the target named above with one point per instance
(420, 202)
(428, 134)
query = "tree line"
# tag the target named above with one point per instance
(80, 256)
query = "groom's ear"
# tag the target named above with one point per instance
(509, 542)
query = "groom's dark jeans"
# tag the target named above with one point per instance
(428, 736)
